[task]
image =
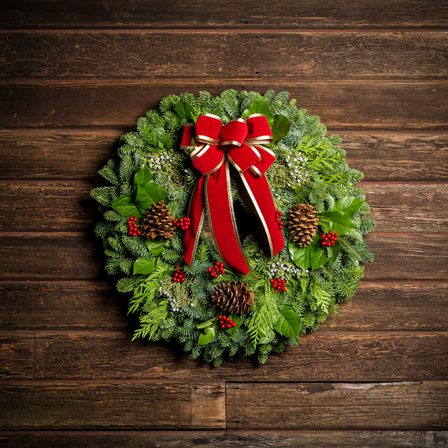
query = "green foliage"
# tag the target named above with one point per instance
(310, 168)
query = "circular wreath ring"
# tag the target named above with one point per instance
(168, 232)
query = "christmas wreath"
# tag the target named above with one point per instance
(233, 223)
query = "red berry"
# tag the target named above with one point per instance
(284, 289)
(335, 234)
(223, 326)
(271, 280)
(223, 271)
(233, 324)
(324, 243)
(134, 233)
(209, 269)
(330, 232)
(220, 317)
(221, 322)
(276, 291)
(130, 232)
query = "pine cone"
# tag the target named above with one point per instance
(233, 297)
(303, 224)
(158, 223)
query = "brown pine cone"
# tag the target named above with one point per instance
(158, 223)
(303, 224)
(233, 297)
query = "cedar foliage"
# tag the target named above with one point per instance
(173, 314)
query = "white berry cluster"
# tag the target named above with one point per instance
(278, 270)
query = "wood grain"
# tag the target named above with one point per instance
(72, 256)
(17, 355)
(47, 207)
(385, 306)
(58, 305)
(112, 405)
(379, 55)
(78, 154)
(340, 104)
(407, 405)
(57, 155)
(408, 208)
(49, 256)
(97, 306)
(321, 356)
(228, 439)
(69, 207)
(213, 14)
(397, 156)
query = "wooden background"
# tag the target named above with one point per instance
(74, 76)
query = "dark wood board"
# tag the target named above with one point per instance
(214, 14)
(17, 352)
(340, 104)
(321, 356)
(67, 206)
(97, 306)
(123, 405)
(224, 55)
(407, 405)
(227, 439)
(72, 256)
(59, 305)
(78, 154)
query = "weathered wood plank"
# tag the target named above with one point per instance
(379, 55)
(112, 405)
(47, 207)
(49, 256)
(233, 14)
(72, 256)
(407, 405)
(340, 104)
(57, 155)
(17, 355)
(385, 306)
(407, 257)
(321, 356)
(229, 439)
(97, 306)
(58, 305)
(397, 156)
(42, 154)
(408, 208)
(69, 207)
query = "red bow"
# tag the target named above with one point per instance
(239, 142)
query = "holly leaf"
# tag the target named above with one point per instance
(157, 248)
(148, 194)
(163, 265)
(206, 338)
(288, 323)
(208, 323)
(184, 111)
(318, 259)
(348, 205)
(335, 250)
(237, 319)
(280, 128)
(260, 107)
(144, 266)
(268, 338)
(125, 205)
(301, 256)
(142, 176)
(336, 221)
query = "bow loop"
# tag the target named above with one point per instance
(233, 133)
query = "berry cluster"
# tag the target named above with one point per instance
(183, 223)
(278, 213)
(278, 285)
(132, 225)
(330, 239)
(226, 322)
(179, 275)
(217, 270)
